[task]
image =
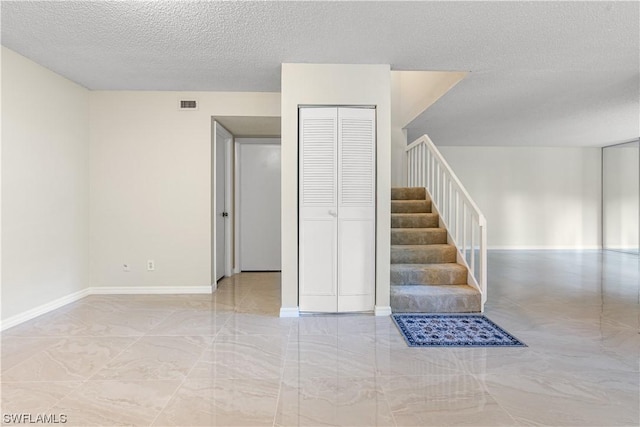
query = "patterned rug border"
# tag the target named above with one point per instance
(406, 334)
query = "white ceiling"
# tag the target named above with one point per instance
(542, 73)
(251, 126)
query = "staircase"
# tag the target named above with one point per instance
(425, 277)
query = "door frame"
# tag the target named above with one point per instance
(228, 193)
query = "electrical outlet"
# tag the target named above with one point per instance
(151, 265)
(125, 267)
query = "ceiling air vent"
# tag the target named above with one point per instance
(187, 104)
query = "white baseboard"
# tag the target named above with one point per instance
(99, 290)
(383, 310)
(43, 309)
(543, 248)
(289, 312)
(149, 290)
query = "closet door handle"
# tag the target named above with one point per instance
(333, 213)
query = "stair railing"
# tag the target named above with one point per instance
(465, 224)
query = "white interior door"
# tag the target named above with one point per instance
(220, 142)
(259, 164)
(356, 209)
(318, 202)
(337, 209)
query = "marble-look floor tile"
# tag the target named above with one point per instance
(242, 357)
(315, 325)
(359, 356)
(116, 403)
(226, 301)
(394, 357)
(313, 356)
(550, 400)
(52, 324)
(455, 400)
(578, 314)
(538, 361)
(131, 322)
(34, 397)
(156, 358)
(222, 402)
(254, 324)
(621, 316)
(365, 324)
(624, 345)
(343, 324)
(191, 323)
(259, 305)
(333, 401)
(166, 302)
(581, 341)
(91, 320)
(17, 349)
(69, 359)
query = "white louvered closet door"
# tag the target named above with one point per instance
(356, 209)
(337, 209)
(318, 209)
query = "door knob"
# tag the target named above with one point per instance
(333, 212)
(225, 214)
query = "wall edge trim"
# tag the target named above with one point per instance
(43, 309)
(113, 290)
(382, 310)
(289, 312)
(544, 248)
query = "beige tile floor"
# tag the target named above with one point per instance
(227, 360)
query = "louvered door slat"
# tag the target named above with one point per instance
(356, 157)
(318, 145)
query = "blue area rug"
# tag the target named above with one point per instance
(452, 330)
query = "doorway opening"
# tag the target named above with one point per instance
(245, 199)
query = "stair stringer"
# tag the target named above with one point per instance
(471, 281)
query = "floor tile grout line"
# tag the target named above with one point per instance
(104, 365)
(60, 338)
(184, 380)
(484, 387)
(49, 409)
(386, 399)
(4, 371)
(82, 382)
(282, 372)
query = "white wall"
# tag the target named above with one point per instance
(398, 133)
(151, 183)
(45, 186)
(621, 174)
(412, 92)
(534, 197)
(328, 84)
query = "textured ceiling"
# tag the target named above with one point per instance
(542, 73)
